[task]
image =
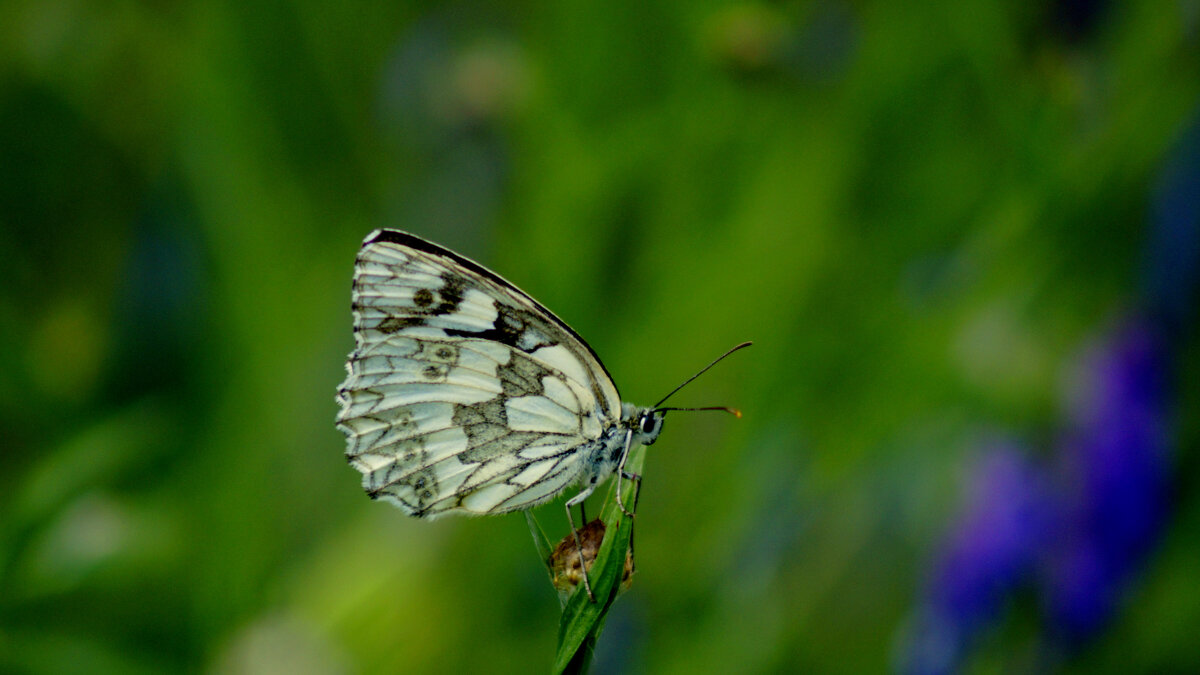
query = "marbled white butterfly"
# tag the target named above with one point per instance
(465, 395)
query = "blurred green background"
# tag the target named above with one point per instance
(920, 212)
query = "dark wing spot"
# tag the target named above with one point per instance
(402, 418)
(514, 327)
(423, 297)
(488, 435)
(424, 488)
(415, 490)
(393, 324)
(522, 376)
(511, 322)
(453, 288)
(491, 412)
(435, 372)
(410, 451)
(438, 352)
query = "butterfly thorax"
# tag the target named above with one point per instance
(637, 426)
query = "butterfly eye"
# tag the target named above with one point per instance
(649, 424)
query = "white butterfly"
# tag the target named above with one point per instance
(465, 395)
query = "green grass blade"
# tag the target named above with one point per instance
(540, 542)
(582, 619)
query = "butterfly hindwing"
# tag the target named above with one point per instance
(463, 393)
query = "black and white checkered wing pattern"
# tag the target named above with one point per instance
(464, 394)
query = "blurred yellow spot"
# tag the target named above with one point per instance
(279, 642)
(746, 36)
(488, 81)
(88, 533)
(65, 351)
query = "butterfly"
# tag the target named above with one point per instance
(465, 395)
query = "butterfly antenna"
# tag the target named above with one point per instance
(732, 411)
(702, 371)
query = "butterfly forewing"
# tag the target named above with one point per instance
(463, 394)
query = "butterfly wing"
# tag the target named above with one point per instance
(464, 394)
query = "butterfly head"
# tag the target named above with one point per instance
(648, 425)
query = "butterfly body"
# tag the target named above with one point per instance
(465, 395)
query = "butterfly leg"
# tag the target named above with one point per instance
(578, 499)
(622, 473)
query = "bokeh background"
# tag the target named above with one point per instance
(963, 236)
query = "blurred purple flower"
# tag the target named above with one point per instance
(1082, 531)
(990, 551)
(1088, 528)
(995, 542)
(1114, 474)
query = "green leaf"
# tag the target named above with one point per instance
(583, 619)
(540, 542)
